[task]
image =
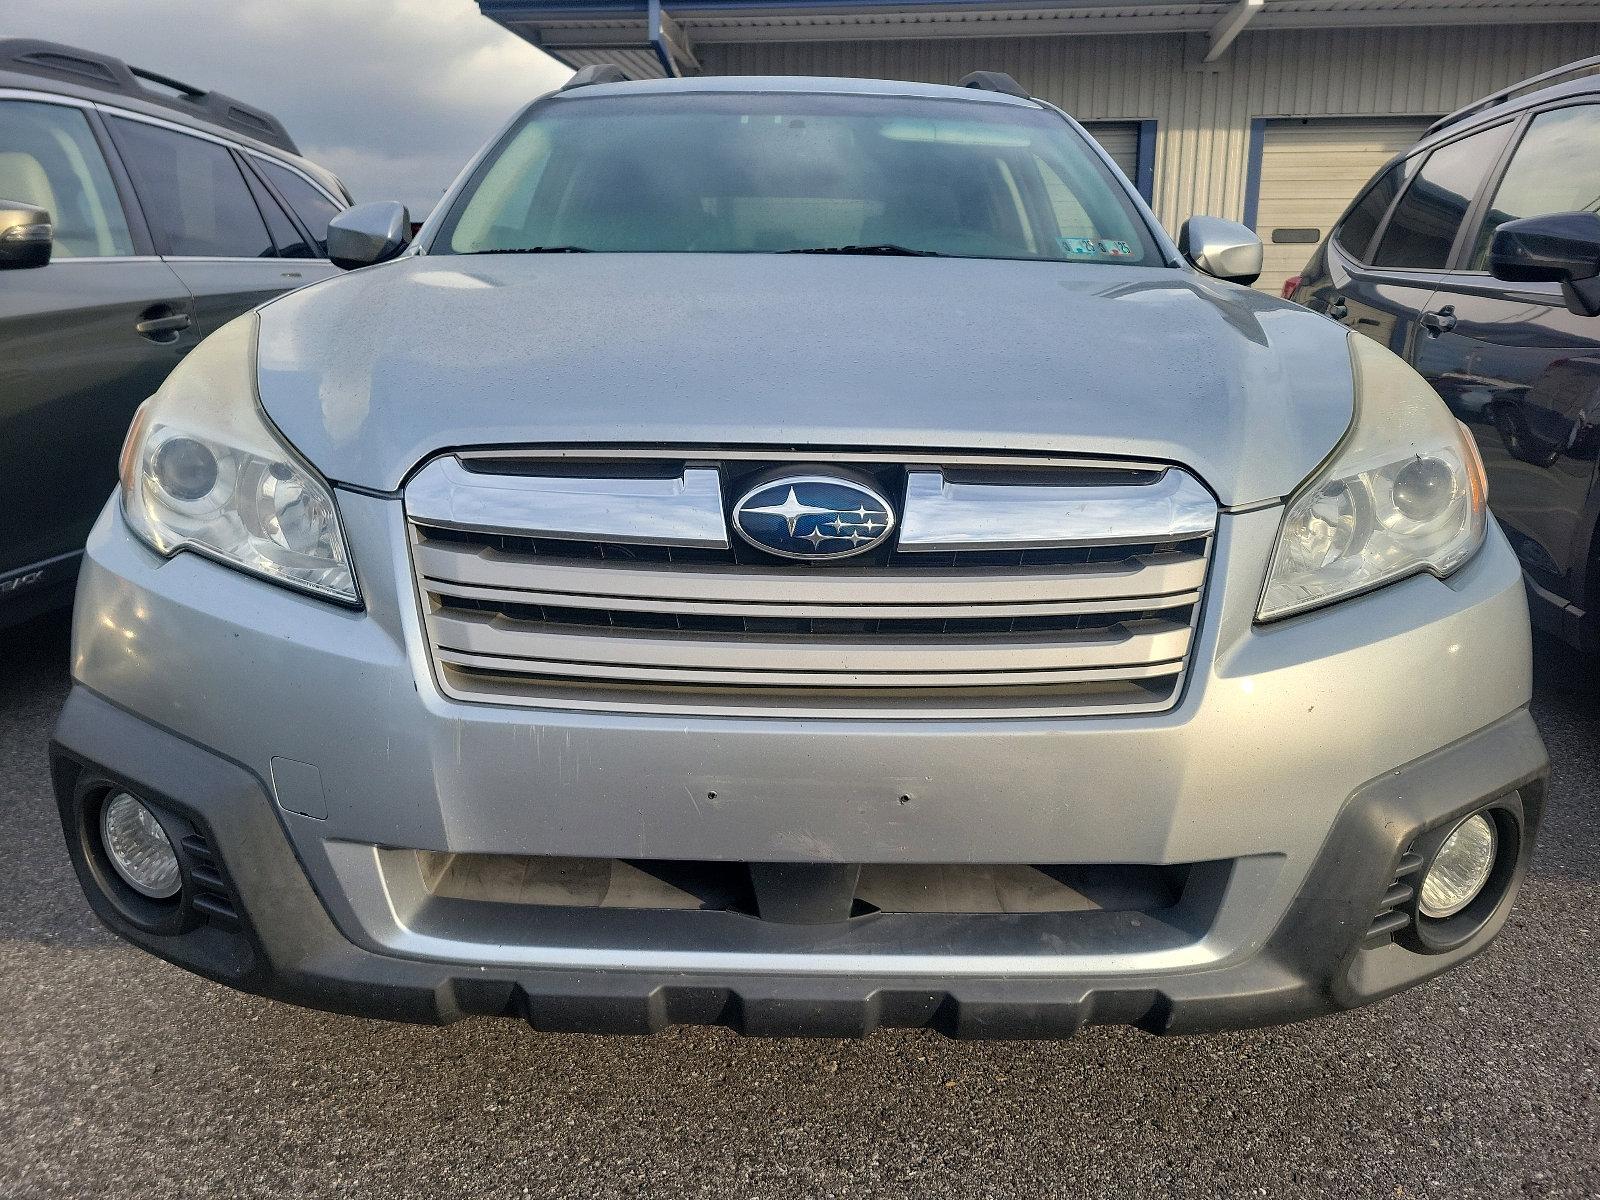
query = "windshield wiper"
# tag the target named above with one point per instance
(886, 248)
(537, 250)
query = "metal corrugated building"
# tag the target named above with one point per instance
(1268, 111)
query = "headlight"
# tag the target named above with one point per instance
(1404, 493)
(203, 470)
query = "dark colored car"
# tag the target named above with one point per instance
(137, 214)
(1476, 257)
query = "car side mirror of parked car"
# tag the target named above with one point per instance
(1560, 248)
(26, 236)
(368, 234)
(1224, 249)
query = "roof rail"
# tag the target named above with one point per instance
(993, 81)
(1527, 85)
(88, 68)
(595, 73)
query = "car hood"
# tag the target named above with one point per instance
(370, 373)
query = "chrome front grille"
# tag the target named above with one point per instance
(608, 580)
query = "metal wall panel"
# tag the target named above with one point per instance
(1204, 113)
(1310, 170)
(1120, 140)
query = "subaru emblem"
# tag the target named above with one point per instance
(813, 517)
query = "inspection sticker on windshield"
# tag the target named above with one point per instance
(1094, 247)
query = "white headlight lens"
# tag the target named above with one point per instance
(1405, 493)
(1460, 868)
(139, 848)
(203, 470)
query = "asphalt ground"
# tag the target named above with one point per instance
(123, 1076)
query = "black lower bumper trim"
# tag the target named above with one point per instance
(280, 941)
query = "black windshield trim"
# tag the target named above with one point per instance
(536, 250)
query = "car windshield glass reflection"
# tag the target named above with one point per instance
(706, 173)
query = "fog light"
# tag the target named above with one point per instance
(139, 848)
(1459, 869)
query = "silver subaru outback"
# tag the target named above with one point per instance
(803, 555)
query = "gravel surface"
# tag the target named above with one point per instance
(123, 1076)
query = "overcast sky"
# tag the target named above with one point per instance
(393, 95)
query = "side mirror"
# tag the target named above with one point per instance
(1224, 249)
(1562, 248)
(368, 233)
(26, 236)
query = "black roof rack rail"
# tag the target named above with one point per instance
(1532, 84)
(89, 68)
(595, 73)
(993, 81)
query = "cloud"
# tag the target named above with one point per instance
(393, 95)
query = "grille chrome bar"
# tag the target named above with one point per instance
(481, 633)
(809, 609)
(942, 515)
(1154, 577)
(1069, 589)
(681, 511)
(880, 681)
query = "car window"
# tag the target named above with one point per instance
(313, 208)
(1424, 224)
(733, 173)
(1556, 169)
(1354, 234)
(50, 159)
(1071, 218)
(290, 241)
(193, 193)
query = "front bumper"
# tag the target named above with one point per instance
(1308, 755)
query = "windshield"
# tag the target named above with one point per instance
(774, 173)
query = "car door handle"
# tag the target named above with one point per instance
(161, 329)
(1439, 322)
(1338, 310)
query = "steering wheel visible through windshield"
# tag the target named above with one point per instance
(718, 172)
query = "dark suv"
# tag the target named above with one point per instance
(1476, 257)
(137, 214)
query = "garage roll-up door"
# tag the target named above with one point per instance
(1121, 141)
(1310, 170)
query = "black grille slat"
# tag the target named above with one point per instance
(1063, 556)
(213, 896)
(1385, 926)
(1397, 895)
(216, 907)
(208, 877)
(1392, 916)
